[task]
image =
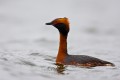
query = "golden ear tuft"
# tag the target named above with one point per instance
(61, 20)
(66, 20)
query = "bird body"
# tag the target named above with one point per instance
(62, 24)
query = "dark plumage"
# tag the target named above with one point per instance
(84, 60)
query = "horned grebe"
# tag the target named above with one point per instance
(62, 24)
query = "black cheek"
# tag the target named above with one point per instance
(62, 28)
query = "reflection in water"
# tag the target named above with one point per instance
(60, 68)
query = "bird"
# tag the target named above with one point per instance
(62, 24)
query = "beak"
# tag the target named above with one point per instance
(50, 23)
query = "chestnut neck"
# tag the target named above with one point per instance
(62, 52)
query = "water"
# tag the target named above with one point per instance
(28, 47)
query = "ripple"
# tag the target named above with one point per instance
(46, 57)
(27, 63)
